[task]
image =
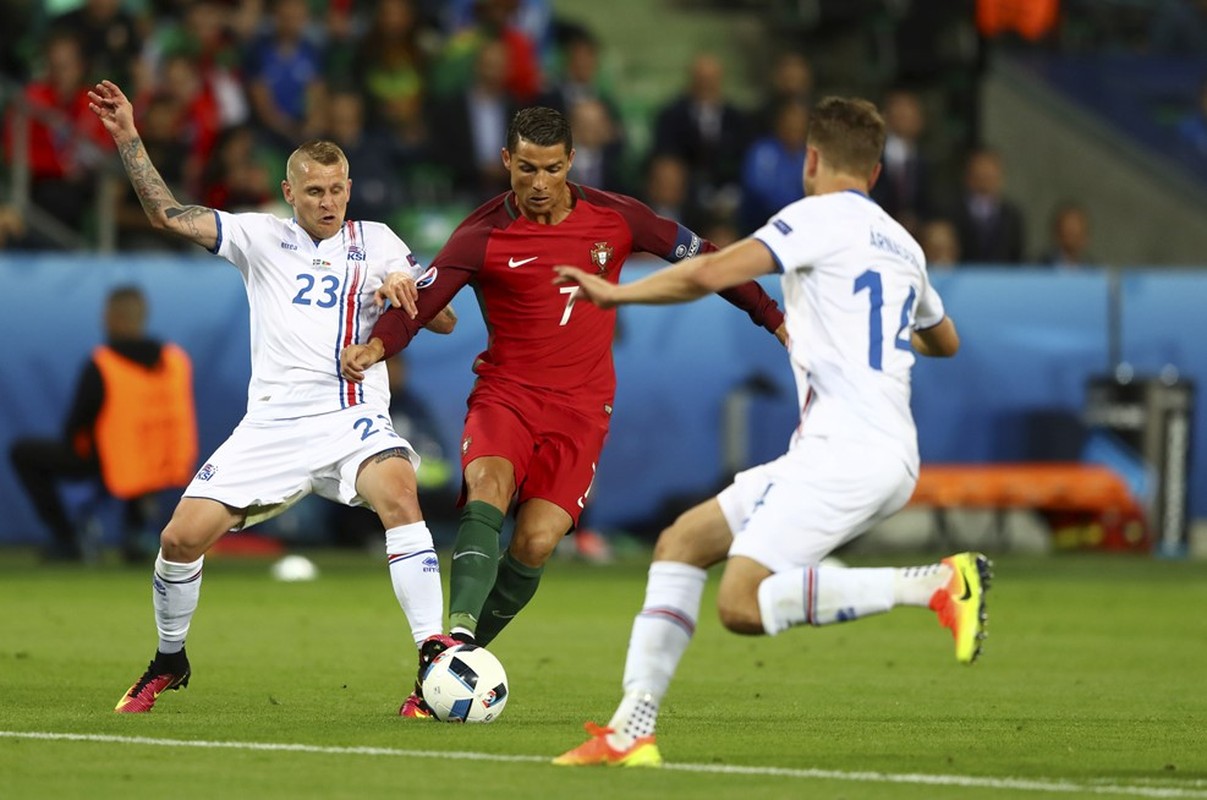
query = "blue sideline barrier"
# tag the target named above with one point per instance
(1031, 339)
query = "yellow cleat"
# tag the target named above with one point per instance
(597, 752)
(961, 604)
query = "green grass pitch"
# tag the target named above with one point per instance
(1093, 683)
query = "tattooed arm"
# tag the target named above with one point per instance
(195, 223)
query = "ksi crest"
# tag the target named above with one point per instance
(601, 256)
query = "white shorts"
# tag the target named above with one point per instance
(266, 466)
(792, 512)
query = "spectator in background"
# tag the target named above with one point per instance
(131, 425)
(598, 149)
(904, 187)
(708, 132)
(390, 69)
(791, 81)
(65, 145)
(580, 77)
(376, 162)
(940, 243)
(494, 21)
(771, 175)
(197, 119)
(470, 128)
(109, 33)
(1070, 237)
(534, 18)
(235, 178)
(668, 191)
(989, 225)
(205, 35)
(284, 73)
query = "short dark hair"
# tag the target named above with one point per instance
(126, 292)
(540, 125)
(849, 133)
(128, 301)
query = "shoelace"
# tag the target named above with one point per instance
(597, 730)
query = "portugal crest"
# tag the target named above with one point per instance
(601, 256)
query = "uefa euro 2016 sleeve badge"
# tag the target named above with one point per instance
(601, 256)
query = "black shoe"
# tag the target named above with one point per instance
(432, 646)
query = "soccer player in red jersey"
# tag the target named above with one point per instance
(539, 411)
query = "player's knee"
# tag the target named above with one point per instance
(490, 483)
(740, 615)
(533, 548)
(400, 507)
(181, 545)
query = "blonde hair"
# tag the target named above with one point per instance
(320, 151)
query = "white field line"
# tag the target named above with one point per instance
(963, 781)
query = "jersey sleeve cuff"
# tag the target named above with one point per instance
(779, 265)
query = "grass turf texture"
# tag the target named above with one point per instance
(1094, 675)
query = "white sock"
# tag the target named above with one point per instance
(661, 633)
(914, 586)
(415, 573)
(176, 588)
(823, 595)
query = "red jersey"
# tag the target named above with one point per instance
(539, 336)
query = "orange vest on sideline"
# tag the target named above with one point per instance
(146, 433)
(1031, 19)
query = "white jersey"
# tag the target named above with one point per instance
(855, 287)
(308, 301)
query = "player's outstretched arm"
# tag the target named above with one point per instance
(687, 280)
(939, 341)
(195, 223)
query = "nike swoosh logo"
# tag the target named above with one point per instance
(967, 586)
(513, 263)
(503, 616)
(469, 553)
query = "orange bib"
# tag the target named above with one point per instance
(146, 433)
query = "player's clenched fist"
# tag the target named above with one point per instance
(356, 358)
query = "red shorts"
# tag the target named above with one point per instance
(553, 448)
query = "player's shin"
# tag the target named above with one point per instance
(415, 574)
(475, 563)
(176, 589)
(661, 633)
(823, 595)
(515, 585)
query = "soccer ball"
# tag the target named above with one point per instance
(465, 683)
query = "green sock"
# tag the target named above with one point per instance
(475, 563)
(514, 587)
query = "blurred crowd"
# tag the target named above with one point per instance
(419, 93)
